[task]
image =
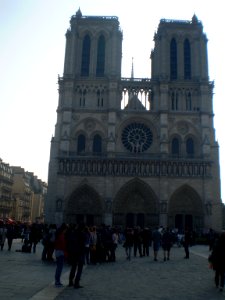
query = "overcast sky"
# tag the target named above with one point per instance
(32, 35)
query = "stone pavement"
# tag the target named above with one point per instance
(24, 276)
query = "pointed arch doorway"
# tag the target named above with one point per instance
(84, 206)
(186, 210)
(135, 205)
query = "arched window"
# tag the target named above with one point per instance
(97, 144)
(85, 62)
(100, 69)
(187, 59)
(173, 60)
(175, 147)
(190, 147)
(81, 144)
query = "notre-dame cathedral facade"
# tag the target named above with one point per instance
(135, 151)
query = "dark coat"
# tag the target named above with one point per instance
(218, 254)
(76, 240)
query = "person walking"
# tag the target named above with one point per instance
(60, 253)
(217, 258)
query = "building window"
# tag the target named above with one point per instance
(175, 147)
(97, 144)
(85, 60)
(173, 60)
(137, 137)
(187, 59)
(81, 144)
(190, 147)
(100, 69)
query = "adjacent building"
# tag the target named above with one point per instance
(29, 193)
(7, 203)
(135, 151)
(22, 195)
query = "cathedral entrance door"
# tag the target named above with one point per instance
(183, 221)
(189, 222)
(133, 220)
(179, 222)
(130, 220)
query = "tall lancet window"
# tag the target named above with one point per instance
(97, 144)
(187, 59)
(100, 69)
(173, 59)
(190, 147)
(81, 141)
(175, 149)
(85, 60)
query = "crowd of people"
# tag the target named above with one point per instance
(78, 245)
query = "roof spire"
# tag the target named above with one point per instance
(79, 13)
(132, 69)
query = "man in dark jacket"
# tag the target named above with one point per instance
(218, 261)
(76, 253)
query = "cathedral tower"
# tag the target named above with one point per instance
(133, 151)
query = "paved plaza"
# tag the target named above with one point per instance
(24, 276)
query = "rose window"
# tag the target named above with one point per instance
(136, 137)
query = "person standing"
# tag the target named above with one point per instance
(129, 242)
(10, 236)
(115, 239)
(76, 240)
(51, 241)
(156, 239)
(60, 253)
(3, 233)
(167, 242)
(187, 242)
(147, 240)
(34, 236)
(137, 241)
(93, 245)
(87, 245)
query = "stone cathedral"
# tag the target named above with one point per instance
(135, 151)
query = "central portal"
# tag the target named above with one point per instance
(135, 205)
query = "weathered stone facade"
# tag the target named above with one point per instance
(135, 151)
